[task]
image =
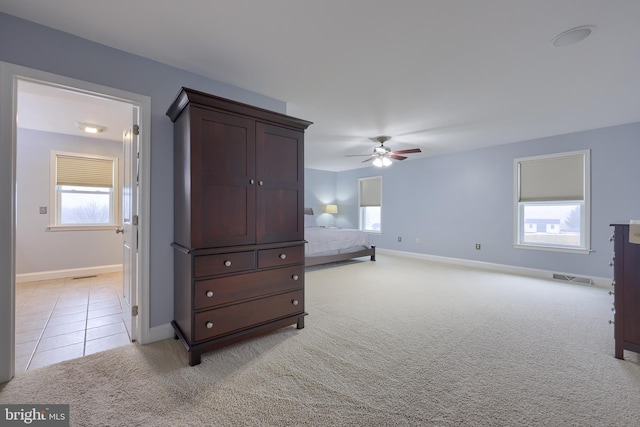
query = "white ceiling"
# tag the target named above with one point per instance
(55, 109)
(441, 75)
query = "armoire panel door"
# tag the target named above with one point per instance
(280, 195)
(630, 291)
(223, 179)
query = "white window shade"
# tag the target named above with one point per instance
(84, 171)
(371, 192)
(552, 178)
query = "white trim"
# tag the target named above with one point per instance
(9, 74)
(54, 195)
(7, 222)
(511, 269)
(585, 211)
(67, 273)
(159, 333)
(360, 225)
(82, 227)
(144, 214)
(552, 248)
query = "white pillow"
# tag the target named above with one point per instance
(310, 221)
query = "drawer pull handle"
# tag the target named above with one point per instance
(209, 325)
(260, 182)
(251, 181)
(295, 277)
(294, 302)
(283, 256)
(610, 264)
(611, 293)
(209, 294)
(227, 263)
(611, 322)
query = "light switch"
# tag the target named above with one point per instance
(43, 209)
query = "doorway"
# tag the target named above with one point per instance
(69, 164)
(100, 275)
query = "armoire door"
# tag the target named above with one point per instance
(223, 182)
(280, 193)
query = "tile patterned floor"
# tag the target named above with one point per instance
(64, 319)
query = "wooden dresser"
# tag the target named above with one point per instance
(626, 282)
(238, 221)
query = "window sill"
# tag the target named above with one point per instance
(553, 249)
(81, 227)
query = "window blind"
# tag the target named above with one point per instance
(84, 171)
(371, 192)
(552, 178)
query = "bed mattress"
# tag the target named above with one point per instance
(329, 241)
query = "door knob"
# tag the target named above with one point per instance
(119, 230)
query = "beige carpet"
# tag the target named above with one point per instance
(398, 342)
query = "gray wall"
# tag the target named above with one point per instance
(45, 49)
(451, 202)
(39, 250)
(320, 190)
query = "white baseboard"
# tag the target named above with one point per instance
(523, 271)
(68, 273)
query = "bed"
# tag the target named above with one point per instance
(326, 245)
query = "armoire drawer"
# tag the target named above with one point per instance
(223, 290)
(221, 321)
(280, 256)
(211, 265)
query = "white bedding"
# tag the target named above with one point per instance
(325, 241)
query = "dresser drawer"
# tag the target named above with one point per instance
(223, 290)
(211, 265)
(281, 256)
(221, 321)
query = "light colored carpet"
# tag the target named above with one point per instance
(397, 342)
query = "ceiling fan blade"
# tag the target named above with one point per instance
(393, 156)
(368, 160)
(357, 155)
(412, 150)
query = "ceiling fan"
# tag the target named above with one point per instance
(382, 154)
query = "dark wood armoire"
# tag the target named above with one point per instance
(238, 221)
(626, 282)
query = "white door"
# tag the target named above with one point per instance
(129, 229)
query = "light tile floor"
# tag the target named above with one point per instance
(65, 319)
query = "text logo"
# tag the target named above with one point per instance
(34, 415)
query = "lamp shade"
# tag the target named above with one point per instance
(331, 209)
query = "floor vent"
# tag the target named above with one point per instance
(566, 278)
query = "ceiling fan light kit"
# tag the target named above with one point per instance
(382, 154)
(381, 161)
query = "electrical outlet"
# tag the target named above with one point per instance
(478, 246)
(399, 239)
(43, 210)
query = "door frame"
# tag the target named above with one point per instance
(9, 76)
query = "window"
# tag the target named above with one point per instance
(552, 202)
(84, 192)
(370, 204)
